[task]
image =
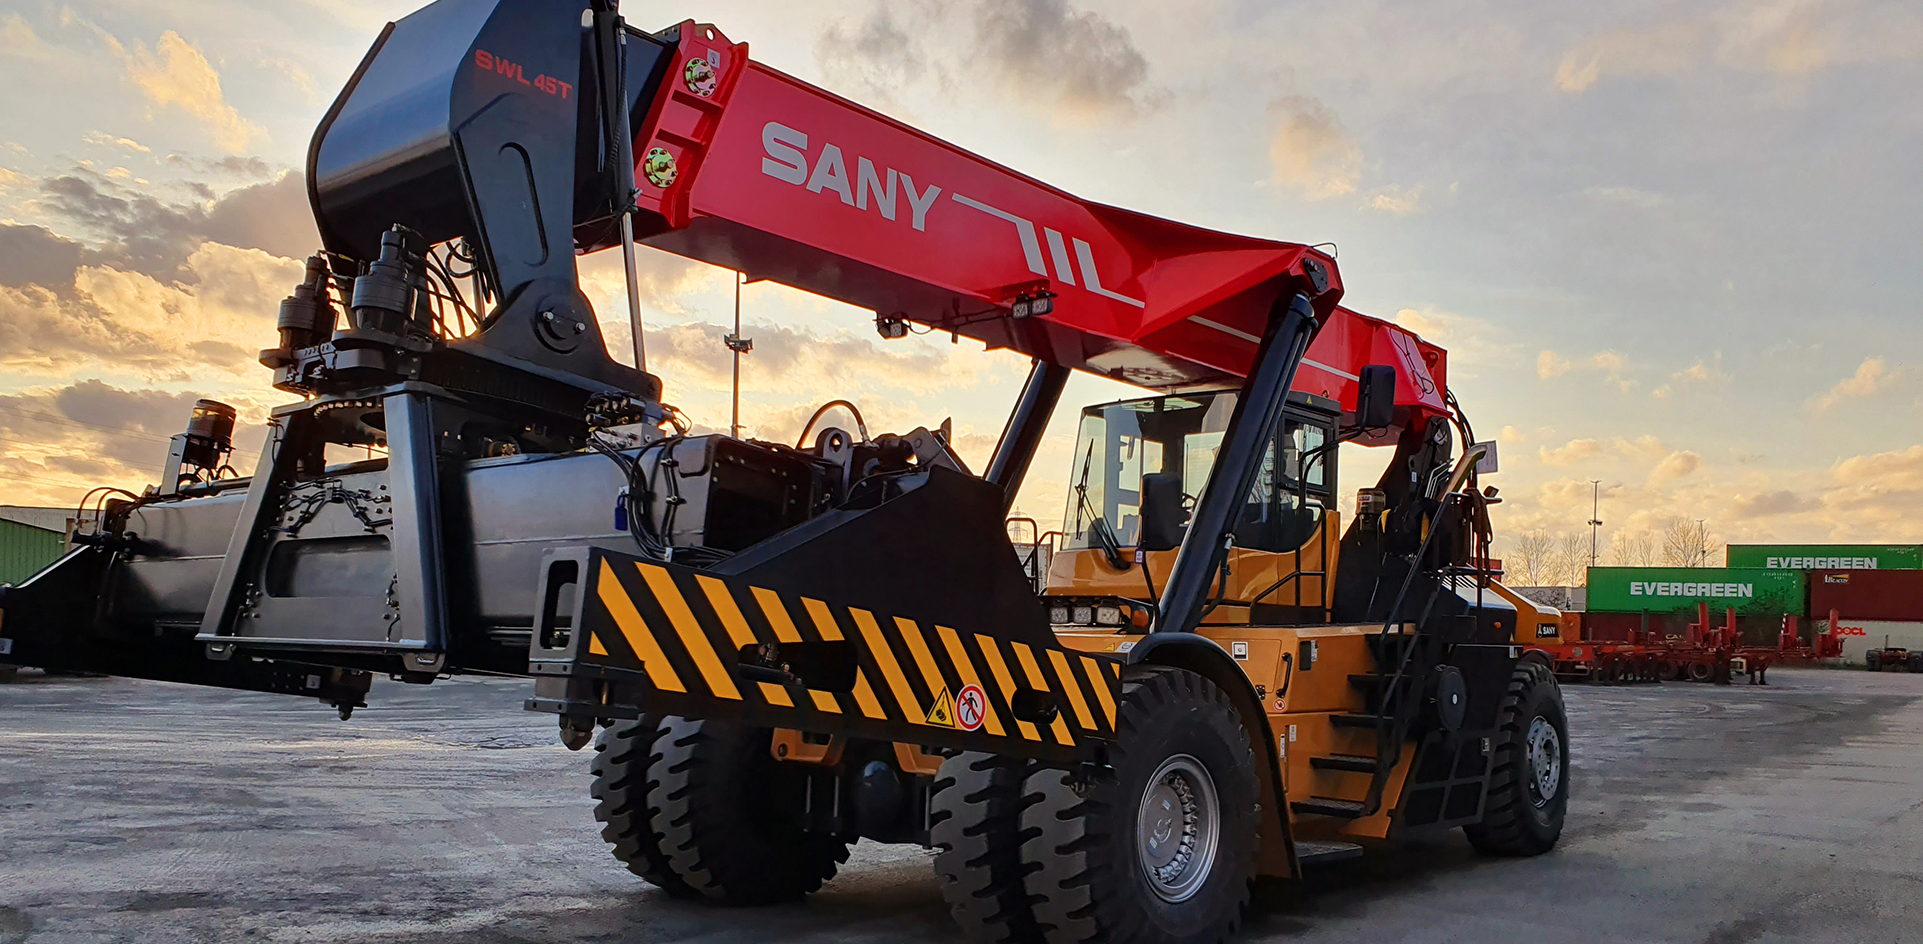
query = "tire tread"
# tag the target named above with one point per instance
(622, 753)
(698, 811)
(1503, 831)
(1070, 856)
(975, 816)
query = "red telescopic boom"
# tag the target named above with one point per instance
(742, 166)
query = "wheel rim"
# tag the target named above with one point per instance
(1545, 760)
(1177, 828)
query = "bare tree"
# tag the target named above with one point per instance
(1632, 550)
(1533, 551)
(1572, 553)
(1685, 543)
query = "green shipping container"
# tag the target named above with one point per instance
(1751, 592)
(24, 549)
(1826, 556)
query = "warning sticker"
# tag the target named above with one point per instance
(941, 714)
(971, 706)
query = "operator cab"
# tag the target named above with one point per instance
(1139, 466)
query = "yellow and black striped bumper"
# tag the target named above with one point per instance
(667, 639)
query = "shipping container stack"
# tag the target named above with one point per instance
(1657, 604)
(1875, 590)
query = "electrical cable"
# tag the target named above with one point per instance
(638, 505)
(1460, 418)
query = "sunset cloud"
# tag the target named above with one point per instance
(1789, 40)
(1310, 150)
(1576, 201)
(1078, 64)
(1871, 376)
(1674, 466)
(1570, 453)
(176, 74)
(1397, 201)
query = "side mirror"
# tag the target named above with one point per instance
(1375, 401)
(1162, 514)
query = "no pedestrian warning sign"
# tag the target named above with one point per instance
(970, 707)
(941, 714)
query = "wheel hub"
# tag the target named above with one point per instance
(1177, 828)
(1544, 751)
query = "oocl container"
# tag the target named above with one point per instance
(1860, 636)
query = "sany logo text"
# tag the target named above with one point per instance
(788, 160)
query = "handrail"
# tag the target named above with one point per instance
(1389, 742)
(1278, 584)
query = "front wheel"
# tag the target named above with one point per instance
(1163, 848)
(1529, 778)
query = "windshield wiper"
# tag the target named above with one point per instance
(1099, 530)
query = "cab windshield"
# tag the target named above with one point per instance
(1118, 443)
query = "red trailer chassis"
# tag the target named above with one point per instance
(1706, 653)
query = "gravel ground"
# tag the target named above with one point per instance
(146, 812)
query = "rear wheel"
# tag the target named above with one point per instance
(1529, 777)
(622, 755)
(1700, 671)
(718, 807)
(1163, 849)
(975, 826)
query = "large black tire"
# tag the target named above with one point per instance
(1088, 878)
(1521, 818)
(621, 784)
(716, 806)
(1872, 661)
(1916, 662)
(975, 826)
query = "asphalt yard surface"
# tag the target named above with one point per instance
(144, 812)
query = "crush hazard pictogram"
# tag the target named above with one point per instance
(942, 712)
(970, 707)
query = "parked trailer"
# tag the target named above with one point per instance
(1703, 654)
(1601, 662)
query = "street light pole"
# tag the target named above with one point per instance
(1595, 516)
(739, 345)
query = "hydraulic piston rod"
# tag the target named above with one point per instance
(1236, 463)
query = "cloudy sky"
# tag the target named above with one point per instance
(1673, 247)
